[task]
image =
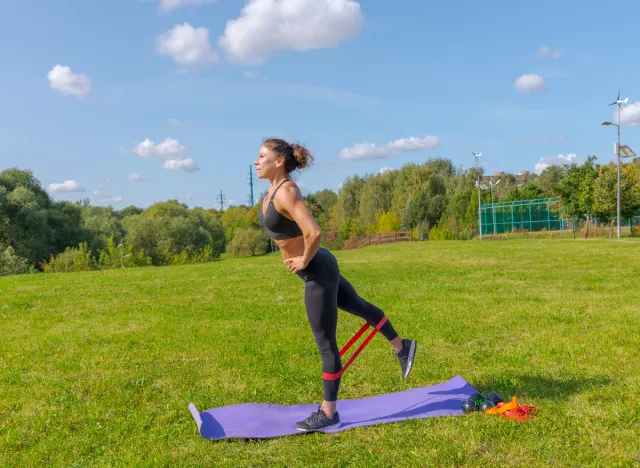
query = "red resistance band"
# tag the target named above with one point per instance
(350, 343)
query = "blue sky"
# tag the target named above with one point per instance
(366, 85)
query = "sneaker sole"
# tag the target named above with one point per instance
(412, 353)
(333, 426)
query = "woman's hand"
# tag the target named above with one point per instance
(295, 264)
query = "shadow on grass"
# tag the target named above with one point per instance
(537, 386)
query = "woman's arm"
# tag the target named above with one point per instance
(290, 198)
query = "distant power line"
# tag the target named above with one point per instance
(221, 198)
(251, 184)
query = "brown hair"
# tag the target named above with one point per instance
(295, 156)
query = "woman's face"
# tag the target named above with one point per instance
(268, 163)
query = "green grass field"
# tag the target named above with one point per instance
(98, 368)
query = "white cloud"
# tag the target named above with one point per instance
(267, 27)
(62, 79)
(364, 151)
(187, 165)
(168, 149)
(168, 5)
(66, 186)
(629, 116)
(530, 83)
(137, 178)
(187, 45)
(108, 199)
(385, 170)
(367, 150)
(414, 144)
(558, 160)
(546, 51)
(176, 122)
(172, 150)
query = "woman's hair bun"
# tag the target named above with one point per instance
(302, 156)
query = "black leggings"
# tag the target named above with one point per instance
(325, 291)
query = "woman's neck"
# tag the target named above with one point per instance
(277, 180)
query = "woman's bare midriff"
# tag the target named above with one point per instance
(291, 247)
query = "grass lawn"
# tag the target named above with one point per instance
(99, 368)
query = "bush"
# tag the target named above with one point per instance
(421, 229)
(248, 241)
(436, 233)
(206, 254)
(110, 256)
(388, 221)
(351, 242)
(12, 264)
(72, 259)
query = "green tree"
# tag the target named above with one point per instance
(233, 218)
(605, 193)
(129, 211)
(548, 179)
(375, 198)
(424, 208)
(12, 264)
(576, 191)
(388, 222)
(248, 242)
(100, 223)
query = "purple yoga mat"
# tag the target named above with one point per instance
(262, 421)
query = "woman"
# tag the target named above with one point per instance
(297, 234)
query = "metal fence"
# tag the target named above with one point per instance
(541, 214)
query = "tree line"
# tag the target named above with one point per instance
(435, 200)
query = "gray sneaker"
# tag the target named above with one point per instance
(406, 356)
(318, 421)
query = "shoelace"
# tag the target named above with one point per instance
(315, 418)
(403, 357)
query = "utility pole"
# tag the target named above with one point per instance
(251, 184)
(221, 200)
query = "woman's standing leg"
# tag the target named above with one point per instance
(322, 311)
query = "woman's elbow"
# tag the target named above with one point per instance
(314, 234)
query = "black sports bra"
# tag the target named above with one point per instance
(279, 226)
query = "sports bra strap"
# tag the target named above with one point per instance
(274, 192)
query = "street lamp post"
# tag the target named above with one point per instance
(493, 208)
(479, 202)
(618, 155)
(619, 103)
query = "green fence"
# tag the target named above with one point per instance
(522, 215)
